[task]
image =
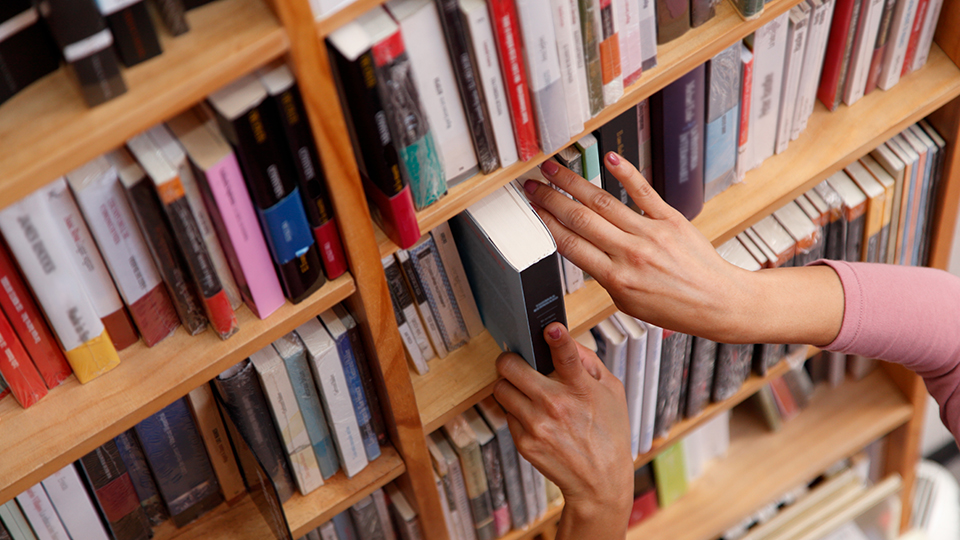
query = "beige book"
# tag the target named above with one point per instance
(215, 439)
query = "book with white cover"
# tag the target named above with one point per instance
(926, 34)
(39, 511)
(862, 55)
(894, 167)
(651, 377)
(631, 54)
(456, 483)
(450, 518)
(566, 54)
(457, 276)
(543, 64)
(476, 15)
(335, 395)
(636, 375)
(694, 453)
(421, 302)
(900, 28)
(402, 314)
(383, 513)
(419, 21)
(797, 31)
(769, 47)
(648, 33)
(580, 58)
(819, 31)
(73, 505)
(612, 347)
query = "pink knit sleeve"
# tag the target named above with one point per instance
(907, 315)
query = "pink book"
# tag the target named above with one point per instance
(231, 210)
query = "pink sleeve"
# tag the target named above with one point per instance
(908, 315)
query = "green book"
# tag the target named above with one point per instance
(671, 475)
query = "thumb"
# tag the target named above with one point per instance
(566, 356)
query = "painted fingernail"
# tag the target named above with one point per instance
(554, 333)
(530, 186)
(613, 158)
(549, 167)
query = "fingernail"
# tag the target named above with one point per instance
(549, 167)
(530, 186)
(613, 158)
(554, 333)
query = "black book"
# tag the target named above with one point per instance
(620, 135)
(471, 93)
(108, 480)
(4, 534)
(85, 41)
(133, 32)
(191, 4)
(700, 381)
(27, 50)
(239, 392)
(251, 127)
(684, 380)
(172, 13)
(701, 11)
(673, 19)
(676, 123)
(733, 367)
(284, 95)
(675, 348)
(366, 377)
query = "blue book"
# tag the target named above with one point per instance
(175, 452)
(294, 356)
(338, 331)
(132, 456)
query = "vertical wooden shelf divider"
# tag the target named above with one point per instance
(371, 303)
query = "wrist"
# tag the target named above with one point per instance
(599, 519)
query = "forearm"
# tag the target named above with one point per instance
(580, 521)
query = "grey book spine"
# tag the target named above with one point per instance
(443, 303)
(748, 9)
(367, 521)
(732, 369)
(675, 346)
(173, 15)
(700, 381)
(495, 480)
(765, 356)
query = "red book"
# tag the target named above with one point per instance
(785, 402)
(915, 32)
(746, 94)
(331, 249)
(842, 31)
(644, 506)
(18, 371)
(27, 321)
(506, 26)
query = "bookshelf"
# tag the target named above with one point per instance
(47, 131)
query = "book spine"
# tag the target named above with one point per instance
(915, 31)
(651, 380)
(173, 15)
(41, 514)
(126, 254)
(631, 57)
(422, 303)
(830, 79)
(926, 35)
(367, 520)
(410, 345)
(450, 258)
(443, 304)
(357, 395)
(701, 11)
(18, 372)
(111, 486)
(733, 367)
(458, 487)
(153, 224)
(29, 230)
(32, 36)
(542, 290)
(576, 30)
(744, 149)
(769, 50)
(88, 264)
(133, 31)
(619, 135)
(383, 514)
(797, 37)
(546, 89)
(131, 453)
(247, 407)
(540, 492)
(419, 156)
(529, 497)
(700, 383)
(867, 29)
(592, 36)
(749, 9)
(28, 323)
(848, 51)
(610, 53)
(206, 416)
(566, 54)
(673, 19)
(495, 482)
(671, 373)
(471, 93)
(73, 505)
(503, 14)
(723, 110)
(366, 378)
(823, 18)
(879, 48)
(900, 30)
(418, 345)
(176, 455)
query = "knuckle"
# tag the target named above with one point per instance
(579, 218)
(567, 244)
(602, 201)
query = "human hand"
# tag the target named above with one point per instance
(573, 426)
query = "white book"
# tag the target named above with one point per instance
(457, 483)
(411, 343)
(73, 505)
(451, 520)
(287, 418)
(581, 62)
(926, 34)
(631, 54)
(328, 373)
(421, 302)
(612, 347)
(899, 38)
(694, 454)
(419, 21)
(651, 378)
(380, 503)
(572, 276)
(610, 27)
(718, 436)
(566, 54)
(530, 498)
(862, 55)
(819, 31)
(328, 531)
(39, 511)
(406, 517)
(769, 48)
(636, 375)
(457, 276)
(797, 30)
(544, 78)
(476, 15)
(648, 33)
(82, 249)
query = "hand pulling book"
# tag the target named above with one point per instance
(384, 181)
(506, 27)
(85, 42)
(101, 198)
(515, 278)
(286, 97)
(246, 123)
(28, 227)
(133, 31)
(27, 50)
(161, 157)
(143, 483)
(88, 264)
(109, 482)
(27, 321)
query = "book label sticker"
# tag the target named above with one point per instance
(288, 233)
(88, 46)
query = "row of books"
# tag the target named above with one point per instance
(94, 37)
(221, 206)
(383, 515)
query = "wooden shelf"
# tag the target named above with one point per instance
(304, 513)
(529, 533)
(761, 465)
(47, 130)
(75, 419)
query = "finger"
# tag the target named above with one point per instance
(574, 247)
(644, 196)
(594, 198)
(566, 356)
(575, 216)
(518, 432)
(591, 362)
(518, 372)
(513, 401)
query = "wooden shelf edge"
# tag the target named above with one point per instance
(75, 419)
(535, 528)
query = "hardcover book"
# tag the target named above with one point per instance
(915, 31)
(636, 334)
(901, 27)
(843, 29)
(870, 13)
(798, 30)
(27, 50)
(880, 46)
(651, 382)
(143, 483)
(703, 359)
(723, 117)
(673, 19)
(101, 198)
(246, 122)
(109, 482)
(812, 63)
(518, 289)
(19, 374)
(446, 248)
(206, 416)
(769, 48)
(926, 35)
(286, 99)
(619, 135)
(133, 31)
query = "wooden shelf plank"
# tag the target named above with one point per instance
(304, 513)
(47, 130)
(529, 533)
(74, 419)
